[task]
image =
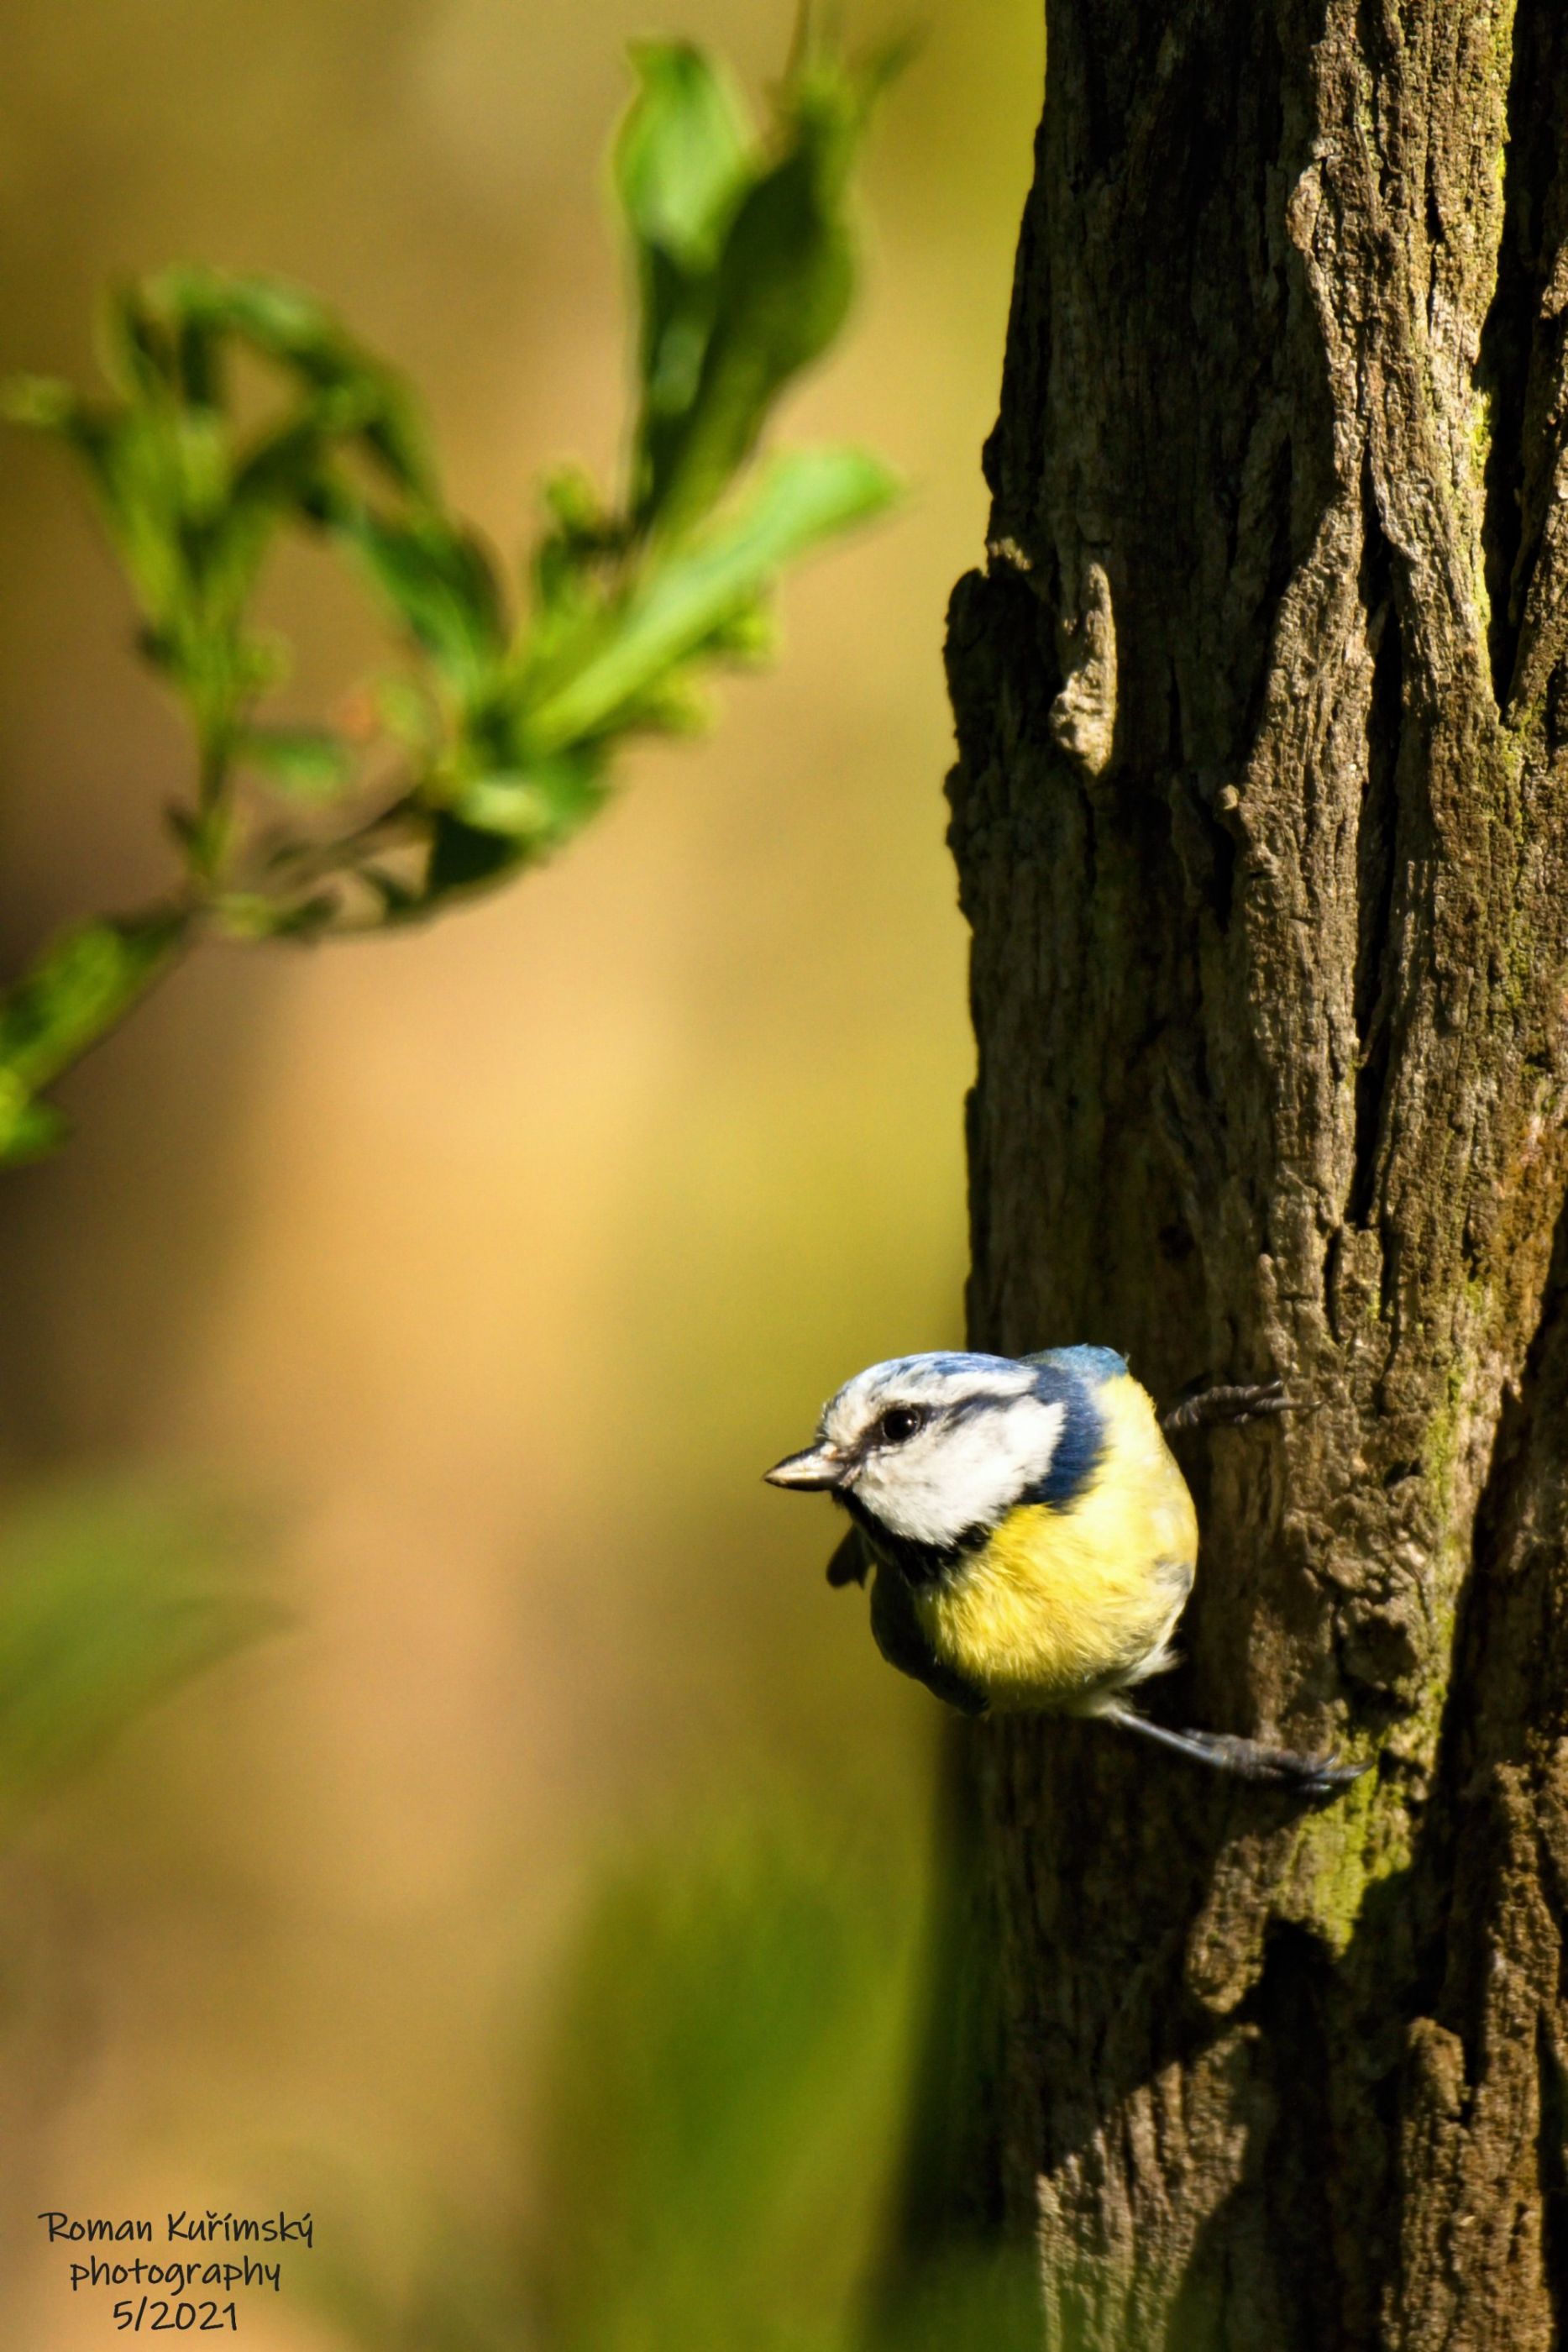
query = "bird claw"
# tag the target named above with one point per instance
(1268, 1397)
(1325, 1775)
(1310, 1776)
(1206, 1404)
(1282, 1768)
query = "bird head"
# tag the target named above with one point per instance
(934, 1448)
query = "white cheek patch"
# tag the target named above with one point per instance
(958, 1474)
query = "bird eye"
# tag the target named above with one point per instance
(899, 1422)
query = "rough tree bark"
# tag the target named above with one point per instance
(1261, 820)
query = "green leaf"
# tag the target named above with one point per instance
(439, 580)
(803, 498)
(137, 346)
(683, 160)
(91, 430)
(684, 153)
(683, 163)
(29, 1130)
(568, 557)
(750, 634)
(284, 470)
(773, 298)
(45, 404)
(82, 985)
(308, 763)
(191, 510)
(463, 857)
(541, 807)
(674, 703)
(192, 504)
(298, 332)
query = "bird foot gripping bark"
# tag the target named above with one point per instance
(1206, 1403)
(1249, 1759)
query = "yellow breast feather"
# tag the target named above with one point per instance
(1065, 1604)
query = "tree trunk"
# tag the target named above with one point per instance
(1262, 819)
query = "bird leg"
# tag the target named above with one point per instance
(1249, 1759)
(1208, 1404)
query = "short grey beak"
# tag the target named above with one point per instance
(819, 1465)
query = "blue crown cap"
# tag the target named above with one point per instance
(1095, 1365)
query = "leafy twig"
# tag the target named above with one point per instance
(494, 746)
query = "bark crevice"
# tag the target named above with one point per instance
(1376, 852)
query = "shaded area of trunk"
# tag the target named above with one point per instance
(1261, 820)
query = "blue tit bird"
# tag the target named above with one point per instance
(1028, 1534)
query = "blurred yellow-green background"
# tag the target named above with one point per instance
(476, 1274)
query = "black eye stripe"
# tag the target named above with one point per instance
(969, 1407)
(950, 1411)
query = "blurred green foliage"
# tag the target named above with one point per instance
(109, 1600)
(725, 2067)
(726, 2079)
(980, 2298)
(746, 266)
(239, 411)
(90, 978)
